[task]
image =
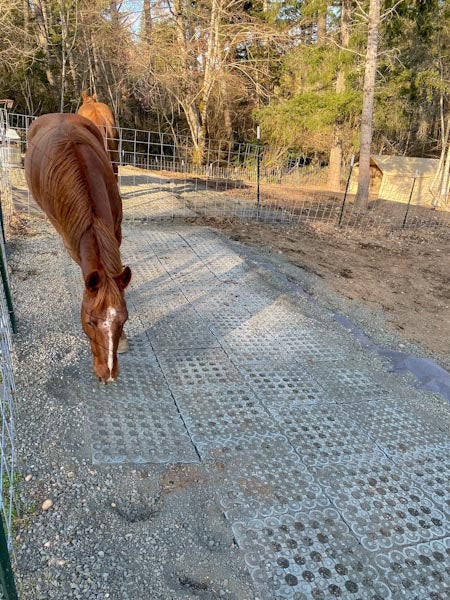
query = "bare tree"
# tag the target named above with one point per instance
(362, 194)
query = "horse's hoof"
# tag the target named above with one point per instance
(123, 345)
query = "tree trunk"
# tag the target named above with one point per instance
(187, 103)
(335, 162)
(210, 65)
(42, 32)
(72, 68)
(26, 15)
(362, 195)
(437, 182)
(321, 25)
(445, 178)
(147, 20)
(227, 121)
(198, 139)
(63, 56)
(97, 69)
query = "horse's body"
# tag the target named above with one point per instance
(70, 175)
(103, 117)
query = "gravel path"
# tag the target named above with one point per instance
(238, 399)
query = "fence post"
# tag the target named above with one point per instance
(7, 289)
(258, 159)
(341, 215)
(7, 584)
(409, 199)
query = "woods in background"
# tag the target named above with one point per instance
(217, 67)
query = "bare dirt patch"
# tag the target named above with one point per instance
(407, 275)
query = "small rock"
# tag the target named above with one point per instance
(28, 477)
(70, 474)
(101, 554)
(47, 504)
(113, 504)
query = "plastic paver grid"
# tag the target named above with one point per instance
(347, 383)
(283, 384)
(225, 321)
(222, 412)
(418, 572)
(183, 331)
(309, 554)
(136, 420)
(311, 346)
(395, 426)
(261, 476)
(298, 428)
(137, 432)
(197, 367)
(430, 469)
(323, 434)
(382, 505)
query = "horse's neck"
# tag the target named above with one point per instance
(89, 253)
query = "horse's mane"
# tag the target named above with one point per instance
(74, 208)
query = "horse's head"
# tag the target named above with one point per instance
(88, 99)
(103, 314)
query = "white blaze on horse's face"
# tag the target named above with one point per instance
(111, 314)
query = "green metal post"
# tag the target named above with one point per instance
(1, 220)
(7, 584)
(346, 190)
(258, 136)
(409, 199)
(8, 296)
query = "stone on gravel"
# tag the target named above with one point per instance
(47, 504)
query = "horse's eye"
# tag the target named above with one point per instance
(90, 324)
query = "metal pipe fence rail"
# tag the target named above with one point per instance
(159, 179)
(7, 387)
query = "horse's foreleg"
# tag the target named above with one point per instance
(123, 344)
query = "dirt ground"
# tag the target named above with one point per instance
(408, 275)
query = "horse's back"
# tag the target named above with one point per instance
(69, 173)
(54, 139)
(49, 132)
(100, 114)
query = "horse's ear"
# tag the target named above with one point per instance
(94, 96)
(92, 282)
(123, 279)
(83, 95)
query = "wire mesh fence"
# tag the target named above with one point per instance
(161, 177)
(7, 384)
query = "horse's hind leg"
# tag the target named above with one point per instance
(123, 344)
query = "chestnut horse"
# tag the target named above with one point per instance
(70, 176)
(103, 117)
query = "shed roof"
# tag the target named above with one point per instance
(404, 165)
